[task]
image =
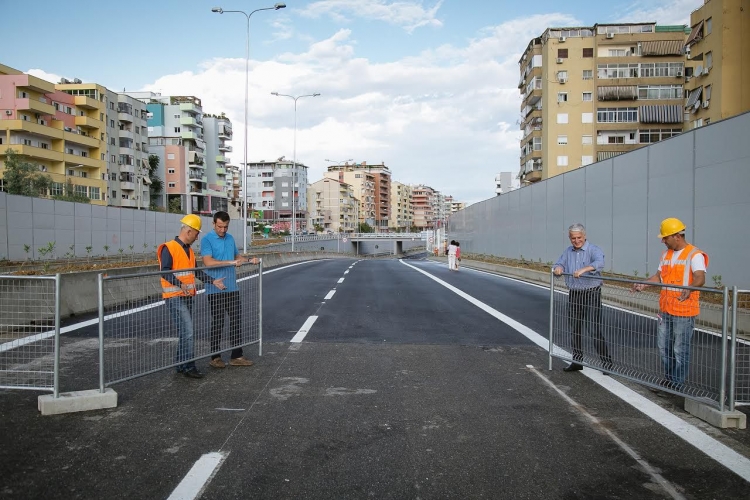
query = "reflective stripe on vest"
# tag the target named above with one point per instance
(679, 273)
(180, 260)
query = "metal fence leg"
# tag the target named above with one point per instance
(551, 312)
(56, 373)
(260, 307)
(724, 318)
(733, 356)
(101, 332)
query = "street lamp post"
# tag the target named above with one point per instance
(219, 10)
(294, 161)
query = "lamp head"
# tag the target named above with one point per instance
(218, 9)
(316, 95)
(279, 5)
(275, 93)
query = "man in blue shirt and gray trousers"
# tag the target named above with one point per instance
(585, 294)
(218, 249)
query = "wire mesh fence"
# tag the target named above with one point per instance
(29, 332)
(741, 328)
(620, 331)
(149, 323)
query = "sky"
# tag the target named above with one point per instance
(428, 87)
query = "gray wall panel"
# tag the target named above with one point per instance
(599, 207)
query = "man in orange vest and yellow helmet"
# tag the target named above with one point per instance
(178, 288)
(681, 264)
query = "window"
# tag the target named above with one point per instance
(586, 96)
(177, 129)
(616, 139)
(707, 93)
(69, 151)
(709, 59)
(170, 170)
(562, 118)
(586, 160)
(170, 156)
(562, 140)
(616, 115)
(101, 117)
(56, 189)
(177, 116)
(562, 161)
(80, 190)
(587, 140)
(588, 74)
(114, 194)
(709, 25)
(113, 158)
(660, 92)
(94, 193)
(562, 97)
(588, 52)
(562, 75)
(617, 52)
(111, 105)
(113, 176)
(171, 184)
(43, 145)
(562, 53)
(587, 117)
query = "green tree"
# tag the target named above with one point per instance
(69, 194)
(157, 185)
(22, 177)
(175, 205)
(364, 227)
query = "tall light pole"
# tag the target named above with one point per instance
(294, 161)
(219, 10)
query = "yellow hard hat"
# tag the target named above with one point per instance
(193, 221)
(670, 226)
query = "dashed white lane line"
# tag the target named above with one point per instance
(302, 332)
(726, 456)
(196, 480)
(330, 295)
(346, 272)
(658, 478)
(341, 280)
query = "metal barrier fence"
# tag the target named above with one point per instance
(30, 332)
(615, 329)
(741, 348)
(140, 331)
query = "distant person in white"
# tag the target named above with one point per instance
(452, 249)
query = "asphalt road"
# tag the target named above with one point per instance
(407, 385)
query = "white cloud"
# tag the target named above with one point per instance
(664, 12)
(447, 117)
(50, 77)
(408, 15)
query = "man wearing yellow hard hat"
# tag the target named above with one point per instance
(681, 264)
(178, 288)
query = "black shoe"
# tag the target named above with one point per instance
(573, 367)
(193, 373)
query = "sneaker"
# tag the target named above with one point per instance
(241, 361)
(193, 373)
(217, 363)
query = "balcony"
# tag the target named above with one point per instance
(127, 202)
(90, 123)
(127, 186)
(225, 147)
(81, 139)
(190, 107)
(28, 82)
(188, 121)
(36, 106)
(33, 127)
(186, 135)
(127, 168)
(86, 161)
(85, 102)
(221, 159)
(221, 171)
(125, 117)
(34, 152)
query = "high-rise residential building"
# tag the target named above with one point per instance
(591, 93)
(275, 188)
(372, 185)
(128, 168)
(425, 201)
(64, 134)
(452, 206)
(402, 211)
(234, 191)
(332, 206)
(175, 131)
(503, 182)
(217, 131)
(718, 67)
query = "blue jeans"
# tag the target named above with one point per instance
(674, 336)
(181, 310)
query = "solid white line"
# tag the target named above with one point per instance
(198, 477)
(300, 335)
(230, 409)
(726, 456)
(658, 478)
(330, 294)
(341, 280)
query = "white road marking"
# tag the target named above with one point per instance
(300, 335)
(198, 477)
(230, 409)
(726, 456)
(330, 294)
(346, 272)
(341, 280)
(658, 478)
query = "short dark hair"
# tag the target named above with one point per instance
(222, 216)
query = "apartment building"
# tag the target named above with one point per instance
(718, 62)
(175, 132)
(64, 134)
(503, 183)
(128, 168)
(276, 188)
(332, 206)
(234, 191)
(402, 211)
(591, 93)
(217, 131)
(425, 201)
(372, 184)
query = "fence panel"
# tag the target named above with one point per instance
(741, 328)
(139, 332)
(621, 337)
(29, 332)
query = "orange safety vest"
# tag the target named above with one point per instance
(179, 261)
(679, 274)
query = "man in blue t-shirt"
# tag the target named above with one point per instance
(219, 250)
